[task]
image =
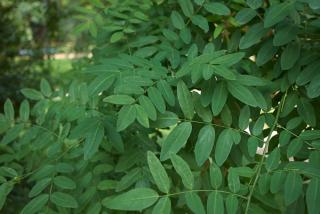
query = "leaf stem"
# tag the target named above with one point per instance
(221, 126)
(204, 190)
(297, 136)
(264, 155)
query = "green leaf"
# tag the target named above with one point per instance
(83, 93)
(215, 203)
(204, 144)
(93, 30)
(208, 57)
(215, 176)
(314, 4)
(158, 172)
(93, 141)
(185, 35)
(149, 108)
(183, 169)
(163, 206)
(252, 146)
(294, 147)
(175, 140)
(223, 147)
(142, 116)
(306, 111)
(310, 135)
(273, 160)
(219, 98)
(166, 91)
(100, 83)
(12, 134)
(95, 208)
(285, 35)
(244, 171)
(308, 73)
(126, 116)
(260, 98)
(203, 112)
(201, 22)
(232, 204)
(242, 93)
(290, 56)
(173, 55)
(157, 99)
(119, 99)
(45, 88)
(5, 189)
(36, 204)
(115, 37)
(224, 72)
(102, 168)
(46, 170)
(165, 120)
(192, 52)
(24, 111)
(228, 59)
(258, 126)
(144, 40)
(292, 188)
(233, 181)
(244, 117)
(266, 53)
(217, 31)
(277, 13)
(264, 183)
(129, 179)
(136, 80)
(64, 182)
(133, 200)
(170, 35)
(245, 15)
(313, 90)
(277, 181)
(250, 80)
(177, 20)
(8, 172)
(254, 4)
(185, 100)
(226, 116)
(32, 94)
(39, 187)
(63, 200)
(313, 196)
(289, 104)
(187, 7)
(194, 203)
(8, 110)
(84, 127)
(252, 36)
(236, 137)
(107, 185)
(217, 8)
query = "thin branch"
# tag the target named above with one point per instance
(204, 190)
(264, 155)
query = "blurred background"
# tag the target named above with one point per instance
(42, 39)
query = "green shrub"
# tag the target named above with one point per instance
(189, 106)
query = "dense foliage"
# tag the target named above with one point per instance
(189, 106)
